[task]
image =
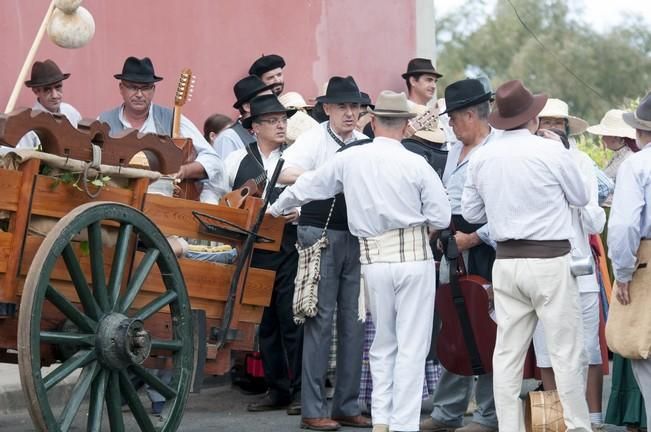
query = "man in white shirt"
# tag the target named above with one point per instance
(630, 224)
(524, 186)
(281, 340)
(340, 267)
(391, 215)
(421, 77)
(137, 84)
(468, 105)
(46, 82)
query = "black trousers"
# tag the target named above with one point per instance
(281, 341)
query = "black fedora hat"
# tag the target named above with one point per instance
(265, 104)
(266, 63)
(247, 88)
(342, 90)
(465, 93)
(138, 71)
(45, 73)
(420, 66)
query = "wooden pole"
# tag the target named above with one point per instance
(30, 58)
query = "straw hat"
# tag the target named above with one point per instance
(432, 132)
(293, 100)
(556, 108)
(297, 124)
(613, 124)
(391, 105)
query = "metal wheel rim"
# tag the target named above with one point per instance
(105, 385)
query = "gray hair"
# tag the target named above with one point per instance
(482, 110)
(391, 122)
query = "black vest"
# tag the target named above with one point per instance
(435, 157)
(246, 136)
(252, 167)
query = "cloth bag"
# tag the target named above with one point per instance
(308, 274)
(628, 330)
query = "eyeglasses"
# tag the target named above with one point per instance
(136, 88)
(274, 121)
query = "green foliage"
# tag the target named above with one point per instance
(614, 67)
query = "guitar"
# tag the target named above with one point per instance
(466, 340)
(251, 187)
(189, 188)
(422, 121)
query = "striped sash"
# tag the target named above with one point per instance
(399, 245)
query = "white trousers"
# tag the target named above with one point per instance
(642, 374)
(401, 301)
(527, 290)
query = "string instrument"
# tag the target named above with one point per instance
(422, 121)
(251, 187)
(188, 188)
(466, 340)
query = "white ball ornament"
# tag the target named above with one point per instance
(71, 30)
(67, 6)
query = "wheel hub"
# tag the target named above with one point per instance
(122, 341)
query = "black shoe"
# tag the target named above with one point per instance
(294, 408)
(267, 403)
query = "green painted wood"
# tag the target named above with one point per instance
(166, 391)
(169, 345)
(79, 360)
(114, 403)
(96, 403)
(91, 308)
(78, 394)
(63, 338)
(96, 251)
(70, 311)
(137, 280)
(119, 263)
(137, 409)
(156, 305)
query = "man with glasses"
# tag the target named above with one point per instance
(281, 340)
(46, 83)
(137, 88)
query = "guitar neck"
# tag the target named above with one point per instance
(176, 122)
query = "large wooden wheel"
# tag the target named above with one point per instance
(110, 342)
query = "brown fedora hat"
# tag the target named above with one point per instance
(641, 118)
(420, 66)
(45, 73)
(515, 105)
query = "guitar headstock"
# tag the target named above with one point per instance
(424, 120)
(184, 88)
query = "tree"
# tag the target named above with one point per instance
(551, 49)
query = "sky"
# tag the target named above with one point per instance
(603, 13)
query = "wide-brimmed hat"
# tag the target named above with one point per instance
(297, 124)
(45, 73)
(420, 66)
(391, 105)
(515, 105)
(247, 88)
(341, 90)
(293, 99)
(465, 93)
(432, 132)
(613, 124)
(641, 118)
(556, 108)
(266, 63)
(265, 104)
(138, 71)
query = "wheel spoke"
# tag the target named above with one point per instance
(79, 280)
(70, 311)
(166, 391)
(168, 345)
(95, 408)
(63, 338)
(156, 305)
(133, 400)
(138, 279)
(119, 262)
(78, 360)
(114, 403)
(78, 393)
(97, 264)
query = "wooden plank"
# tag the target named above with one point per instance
(6, 238)
(10, 181)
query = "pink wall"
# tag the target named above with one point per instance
(218, 39)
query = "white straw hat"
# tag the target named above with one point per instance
(293, 100)
(432, 132)
(556, 108)
(297, 124)
(613, 124)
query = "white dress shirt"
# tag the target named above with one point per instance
(227, 142)
(586, 220)
(386, 187)
(235, 158)
(523, 184)
(315, 147)
(31, 141)
(630, 213)
(214, 186)
(454, 179)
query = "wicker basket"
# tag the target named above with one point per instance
(543, 412)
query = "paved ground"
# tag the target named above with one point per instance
(219, 408)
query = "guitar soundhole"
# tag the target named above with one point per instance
(244, 192)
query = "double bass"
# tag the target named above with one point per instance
(466, 340)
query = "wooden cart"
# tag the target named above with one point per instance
(101, 300)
